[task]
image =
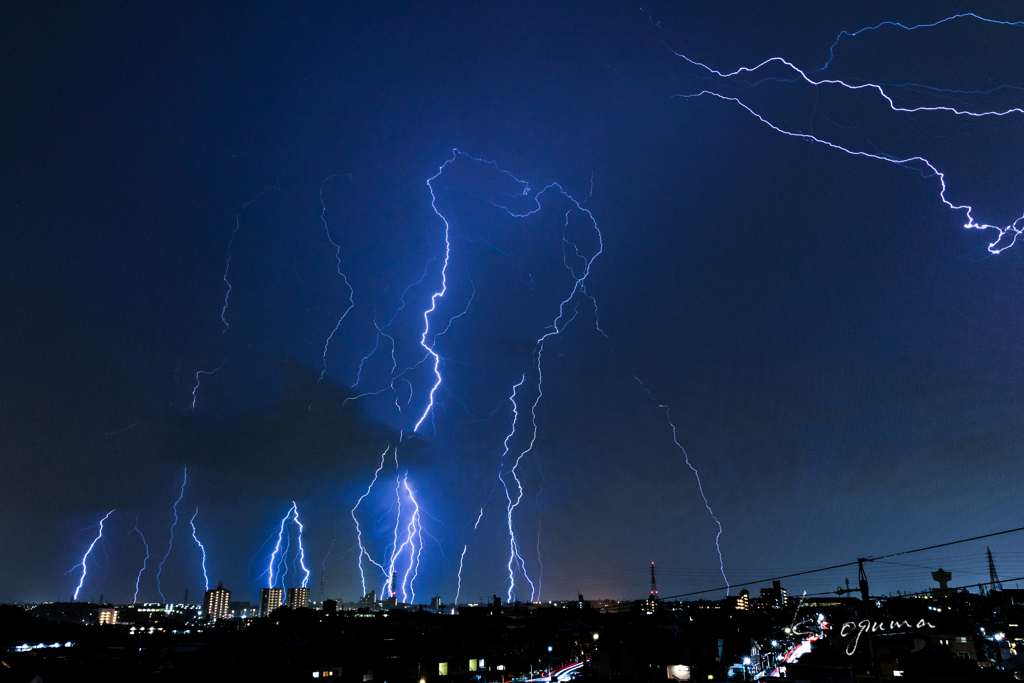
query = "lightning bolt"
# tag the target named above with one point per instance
(567, 311)
(1007, 235)
(407, 539)
(227, 264)
(277, 549)
(429, 348)
(293, 516)
(192, 522)
(458, 589)
(138, 578)
(696, 474)
(323, 565)
(832, 50)
(516, 563)
(282, 564)
(85, 557)
(394, 363)
(515, 560)
(359, 532)
(414, 543)
(394, 545)
(433, 299)
(407, 542)
(125, 429)
(170, 543)
(380, 333)
(302, 552)
(196, 387)
(337, 256)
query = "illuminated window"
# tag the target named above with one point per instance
(442, 668)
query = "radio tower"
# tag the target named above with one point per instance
(652, 599)
(994, 583)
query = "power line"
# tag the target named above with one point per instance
(943, 545)
(774, 578)
(840, 566)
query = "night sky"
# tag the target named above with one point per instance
(218, 232)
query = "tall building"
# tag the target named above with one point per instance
(298, 597)
(216, 603)
(243, 610)
(741, 601)
(774, 596)
(270, 600)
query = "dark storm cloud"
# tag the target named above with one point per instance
(306, 434)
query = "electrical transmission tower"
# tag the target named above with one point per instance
(652, 599)
(993, 578)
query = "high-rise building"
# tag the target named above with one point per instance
(243, 610)
(216, 603)
(741, 601)
(298, 597)
(774, 596)
(270, 600)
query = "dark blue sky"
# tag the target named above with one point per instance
(840, 358)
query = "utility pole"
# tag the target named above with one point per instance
(863, 580)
